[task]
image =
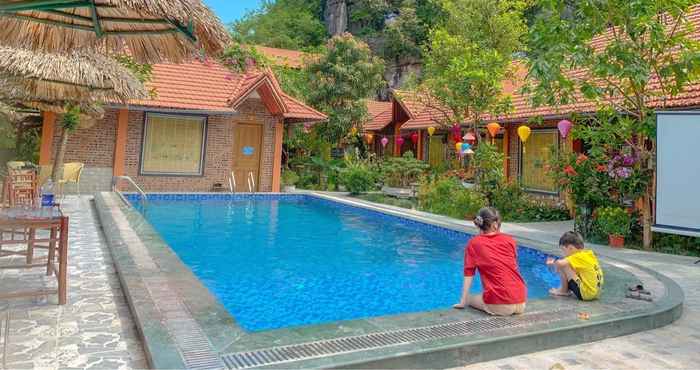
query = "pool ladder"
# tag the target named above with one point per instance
(115, 182)
(250, 179)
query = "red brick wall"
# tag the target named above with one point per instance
(93, 145)
(95, 148)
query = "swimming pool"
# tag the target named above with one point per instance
(281, 261)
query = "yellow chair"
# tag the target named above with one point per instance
(71, 173)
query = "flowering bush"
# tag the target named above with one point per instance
(586, 179)
(613, 221)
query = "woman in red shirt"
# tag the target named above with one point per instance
(495, 256)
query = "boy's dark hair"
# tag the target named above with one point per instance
(571, 238)
(486, 217)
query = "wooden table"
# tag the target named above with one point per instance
(20, 226)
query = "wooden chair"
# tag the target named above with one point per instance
(21, 187)
(71, 173)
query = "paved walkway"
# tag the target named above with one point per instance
(676, 346)
(94, 330)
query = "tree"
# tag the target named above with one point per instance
(343, 76)
(471, 54)
(620, 54)
(289, 24)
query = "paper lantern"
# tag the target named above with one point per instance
(431, 130)
(493, 128)
(458, 146)
(399, 141)
(414, 138)
(524, 133)
(369, 137)
(466, 146)
(469, 137)
(384, 142)
(564, 127)
(469, 151)
(353, 131)
(456, 132)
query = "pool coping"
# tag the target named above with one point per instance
(142, 258)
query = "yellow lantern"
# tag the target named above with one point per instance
(524, 134)
(353, 131)
(458, 146)
(431, 130)
(369, 137)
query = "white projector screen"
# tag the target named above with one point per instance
(678, 173)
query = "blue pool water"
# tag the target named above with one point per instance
(299, 260)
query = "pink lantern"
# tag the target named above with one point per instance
(384, 142)
(469, 137)
(414, 138)
(564, 127)
(399, 141)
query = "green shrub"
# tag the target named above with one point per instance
(446, 196)
(488, 169)
(402, 171)
(613, 221)
(516, 205)
(289, 178)
(357, 177)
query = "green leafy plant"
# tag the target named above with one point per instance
(488, 167)
(357, 176)
(289, 178)
(446, 196)
(343, 76)
(613, 221)
(402, 171)
(648, 54)
(516, 205)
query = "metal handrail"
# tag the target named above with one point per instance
(232, 182)
(251, 181)
(115, 179)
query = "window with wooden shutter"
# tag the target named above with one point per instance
(173, 144)
(535, 156)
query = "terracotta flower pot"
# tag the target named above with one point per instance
(616, 241)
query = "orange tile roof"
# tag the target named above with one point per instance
(523, 109)
(423, 111)
(209, 86)
(380, 115)
(284, 57)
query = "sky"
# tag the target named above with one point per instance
(231, 10)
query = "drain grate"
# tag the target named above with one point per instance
(323, 348)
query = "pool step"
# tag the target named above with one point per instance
(330, 347)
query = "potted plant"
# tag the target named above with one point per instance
(616, 223)
(289, 180)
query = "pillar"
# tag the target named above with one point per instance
(506, 151)
(277, 159)
(47, 131)
(119, 165)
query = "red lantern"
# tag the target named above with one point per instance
(456, 132)
(399, 141)
(414, 138)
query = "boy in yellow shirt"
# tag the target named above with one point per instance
(579, 270)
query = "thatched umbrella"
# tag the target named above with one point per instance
(149, 30)
(56, 81)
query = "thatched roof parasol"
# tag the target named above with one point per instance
(54, 79)
(150, 31)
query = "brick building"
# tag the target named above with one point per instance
(203, 124)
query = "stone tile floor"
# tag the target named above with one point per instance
(676, 346)
(94, 330)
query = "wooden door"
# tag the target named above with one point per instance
(247, 150)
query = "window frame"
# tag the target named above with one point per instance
(521, 161)
(202, 160)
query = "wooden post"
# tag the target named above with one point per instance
(47, 131)
(506, 151)
(397, 133)
(277, 159)
(419, 149)
(119, 165)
